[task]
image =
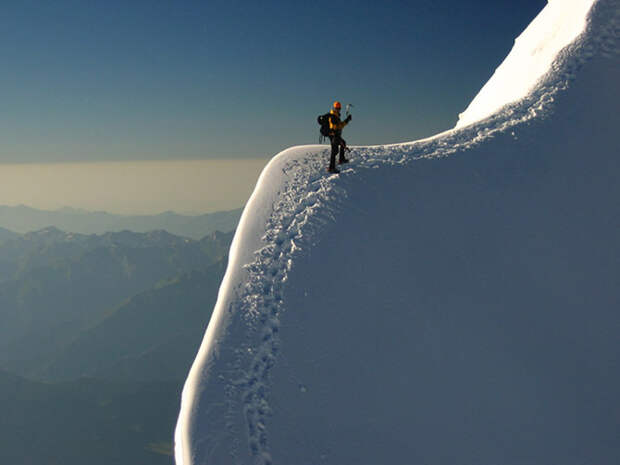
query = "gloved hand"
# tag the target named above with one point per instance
(348, 118)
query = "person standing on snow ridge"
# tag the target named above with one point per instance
(335, 137)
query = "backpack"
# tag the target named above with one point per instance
(323, 121)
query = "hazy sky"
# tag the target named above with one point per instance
(111, 81)
(144, 187)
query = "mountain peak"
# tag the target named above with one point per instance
(432, 295)
(51, 232)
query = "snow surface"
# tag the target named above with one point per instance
(532, 56)
(446, 301)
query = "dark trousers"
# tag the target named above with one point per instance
(338, 146)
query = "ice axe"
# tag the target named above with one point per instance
(348, 109)
(348, 113)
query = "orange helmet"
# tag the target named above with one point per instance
(337, 105)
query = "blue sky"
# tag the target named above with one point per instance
(172, 80)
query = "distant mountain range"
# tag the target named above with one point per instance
(97, 334)
(54, 286)
(153, 336)
(23, 219)
(5, 234)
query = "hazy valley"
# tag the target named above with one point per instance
(97, 333)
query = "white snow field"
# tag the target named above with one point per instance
(449, 301)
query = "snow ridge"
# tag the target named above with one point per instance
(290, 228)
(287, 234)
(557, 25)
(307, 199)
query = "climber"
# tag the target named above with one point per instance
(335, 137)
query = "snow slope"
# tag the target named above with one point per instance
(534, 52)
(447, 301)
